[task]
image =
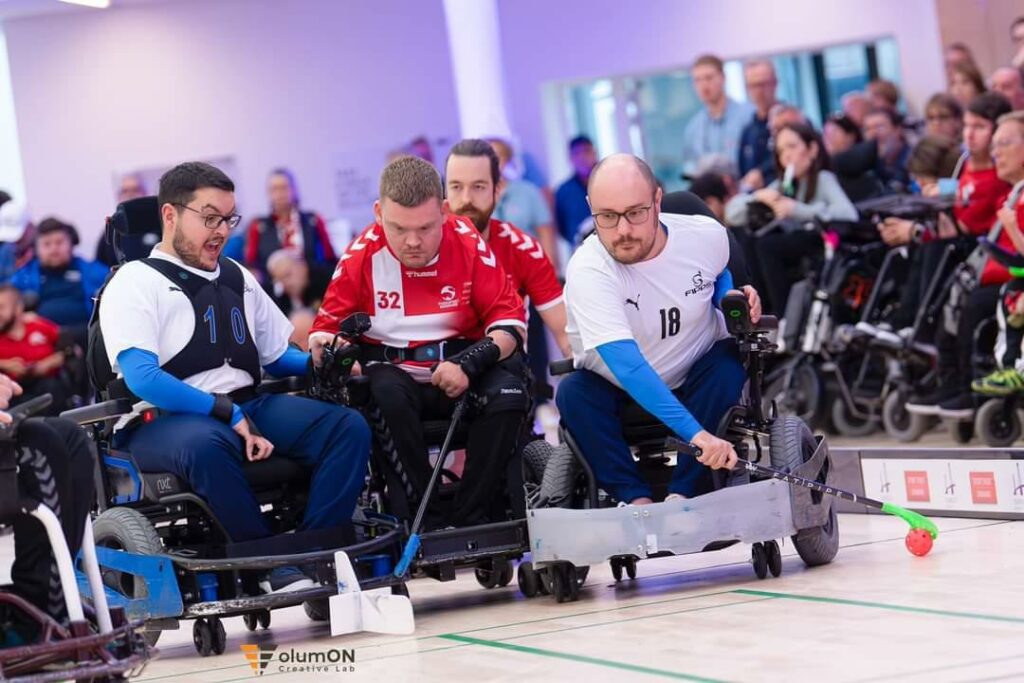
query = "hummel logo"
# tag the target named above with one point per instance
(635, 302)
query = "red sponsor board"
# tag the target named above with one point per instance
(983, 488)
(916, 482)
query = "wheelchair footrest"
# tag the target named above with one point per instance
(469, 544)
(749, 513)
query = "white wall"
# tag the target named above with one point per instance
(271, 82)
(11, 178)
(579, 39)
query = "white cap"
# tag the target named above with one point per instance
(13, 221)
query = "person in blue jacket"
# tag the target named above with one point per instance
(65, 284)
(644, 323)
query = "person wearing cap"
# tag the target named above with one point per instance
(65, 284)
(15, 236)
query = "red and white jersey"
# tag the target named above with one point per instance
(525, 263)
(461, 294)
(980, 194)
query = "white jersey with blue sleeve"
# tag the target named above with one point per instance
(665, 304)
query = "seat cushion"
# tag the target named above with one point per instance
(263, 476)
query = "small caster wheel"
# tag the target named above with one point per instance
(544, 583)
(317, 610)
(493, 573)
(630, 563)
(528, 580)
(997, 423)
(774, 557)
(400, 589)
(759, 558)
(250, 621)
(220, 638)
(508, 571)
(961, 432)
(581, 576)
(563, 582)
(263, 616)
(616, 564)
(202, 637)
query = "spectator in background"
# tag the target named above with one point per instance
(965, 83)
(29, 350)
(756, 161)
(1009, 82)
(572, 213)
(840, 133)
(956, 53)
(882, 127)
(16, 234)
(296, 292)
(287, 227)
(131, 187)
(783, 114)
(522, 204)
(1017, 36)
(883, 94)
(420, 147)
(64, 283)
(716, 127)
(943, 116)
(713, 191)
(855, 106)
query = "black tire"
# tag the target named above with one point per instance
(997, 423)
(528, 580)
(316, 610)
(630, 564)
(128, 529)
(802, 398)
(759, 559)
(559, 480)
(616, 564)
(774, 557)
(899, 423)
(263, 617)
(250, 621)
(494, 573)
(792, 444)
(564, 582)
(846, 423)
(960, 431)
(535, 460)
(220, 637)
(202, 637)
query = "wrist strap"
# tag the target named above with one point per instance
(223, 408)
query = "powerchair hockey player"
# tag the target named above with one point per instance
(447, 327)
(680, 366)
(195, 446)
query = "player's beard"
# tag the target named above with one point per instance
(481, 219)
(191, 254)
(640, 249)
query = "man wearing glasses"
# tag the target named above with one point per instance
(643, 322)
(191, 333)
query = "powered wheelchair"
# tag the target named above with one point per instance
(573, 523)
(164, 555)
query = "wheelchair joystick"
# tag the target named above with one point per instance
(330, 379)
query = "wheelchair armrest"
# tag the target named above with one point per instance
(99, 412)
(561, 367)
(286, 385)
(767, 323)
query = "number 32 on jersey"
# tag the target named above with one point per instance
(389, 299)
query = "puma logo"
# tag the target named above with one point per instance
(635, 302)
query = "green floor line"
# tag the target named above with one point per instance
(882, 605)
(582, 659)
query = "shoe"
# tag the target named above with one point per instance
(960, 407)
(285, 580)
(928, 404)
(999, 383)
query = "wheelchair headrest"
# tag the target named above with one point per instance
(685, 203)
(133, 225)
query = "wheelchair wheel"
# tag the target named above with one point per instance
(565, 581)
(898, 422)
(528, 579)
(800, 397)
(128, 530)
(792, 444)
(316, 610)
(535, 460)
(494, 573)
(556, 488)
(848, 424)
(998, 423)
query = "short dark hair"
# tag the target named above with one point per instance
(969, 71)
(887, 90)
(709, 185)
(892, 114)
(51, 225)
(944, 101)
(848, 126)
(580, 140)
(179, 185)
(409, 181)
(990, 106)
(934, 156)
(474, 147)
(710, 60)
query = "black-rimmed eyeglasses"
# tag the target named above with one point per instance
(609, 220)
(212, 221)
